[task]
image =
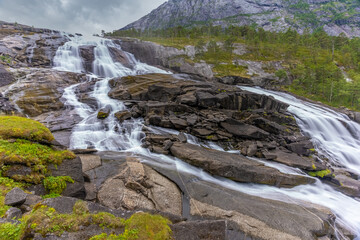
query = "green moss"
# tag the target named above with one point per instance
(56, 185)
(10, 231)
(149, 226)
(102, 115)
(34, 155)
(320, 174)
(313, 167)
(18, 127)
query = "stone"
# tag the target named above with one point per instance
(235, 167)
(89, 162)
(205, 99)
(13, 213)
(243, 130)
(32, 200)
(15, 197)
(139, 187)
(178, 123)
(168, 144)
(91, 191)
(182, 137)
(88, 56)
(6, 77)
(123, 115)
(196, 230)
(188, 99)
(251, 150)
(104, 112)
(202, 132)
(301, 148)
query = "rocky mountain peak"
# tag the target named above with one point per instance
(275, 15)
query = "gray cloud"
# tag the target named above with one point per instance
(83, 16)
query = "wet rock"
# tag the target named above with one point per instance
(121, 57)
(123, 115)
(13, 213)
(15, 197)
(88, 56)
(234, 166)
(244, 130)
(269, 126)
(178, 122)
(301, 148)
(39, 90)
(104, 112)
(182, 137)
(6, 78)
(251, 150)
(188, 99)
(294, 160)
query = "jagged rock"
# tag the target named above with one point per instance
(15, 197)
(301, 148)
(234, 166)
(178, 122)
(206, 99)
(88, 56)
(13, 213)
(182, 137)
(89, 161)
(104, 112)
(293, 160)
(184, 13)
(6, 78)
(123, 115)
(139, 186)
(120, 56)
(244, 130)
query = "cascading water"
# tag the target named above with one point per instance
(109, 134)
(333, 134)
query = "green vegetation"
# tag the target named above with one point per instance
(46, 220)
(313, 62)
(56, 185)
(24, 128)
(33, 155)
(320, 174)
(5, 59)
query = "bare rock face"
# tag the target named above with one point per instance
(235, 167)
(39, 91)
(137, 186)
(241, 12)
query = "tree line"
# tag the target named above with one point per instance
(321, 67)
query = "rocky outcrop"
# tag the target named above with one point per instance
(38, 91)
(270, 15)
(234, 167)
(121, 182)
(168, 57)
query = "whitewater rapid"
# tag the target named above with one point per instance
(111, 135)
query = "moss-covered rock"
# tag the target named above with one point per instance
(24, 128)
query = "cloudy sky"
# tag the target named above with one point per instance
(82, 16)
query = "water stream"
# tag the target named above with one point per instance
(109, 134)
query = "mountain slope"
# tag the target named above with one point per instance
(275, 15)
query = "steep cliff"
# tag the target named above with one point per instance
(335, 17)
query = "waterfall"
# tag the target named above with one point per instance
(109, 134)
(334, 135)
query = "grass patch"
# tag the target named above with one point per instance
(24, 128)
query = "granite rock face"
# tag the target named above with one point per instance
(274, 15)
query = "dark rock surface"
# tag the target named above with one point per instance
(15, 197)
(235, 167)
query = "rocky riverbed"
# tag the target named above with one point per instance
(178, 171)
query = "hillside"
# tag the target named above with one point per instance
(275, 15)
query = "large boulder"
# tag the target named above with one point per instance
(235, 167)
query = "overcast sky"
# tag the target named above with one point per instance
(76, 16)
